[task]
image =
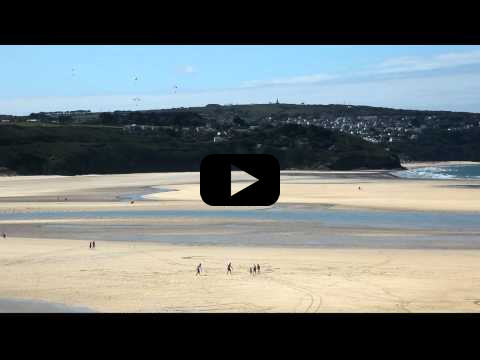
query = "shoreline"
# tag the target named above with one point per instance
(420, 164)
(406, 164)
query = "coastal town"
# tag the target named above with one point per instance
(220, 123)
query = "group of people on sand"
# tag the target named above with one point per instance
(253, 270)
(92, 244)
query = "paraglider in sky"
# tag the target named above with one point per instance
(136, 100)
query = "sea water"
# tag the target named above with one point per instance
(319, 214)
(463, 171)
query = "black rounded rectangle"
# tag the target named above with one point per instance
(215, 179)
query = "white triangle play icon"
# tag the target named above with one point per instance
(245, 181)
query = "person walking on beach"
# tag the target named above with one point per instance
(258, 268)
(199, 268)
(4, 235)
(229, 268)
(90, 244)
(254, 269)
(251, 271)
(93, 244)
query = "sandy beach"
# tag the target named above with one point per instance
(379, 190)
(147, 277)
(147, 262)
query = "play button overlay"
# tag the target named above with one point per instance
(244, 184)
(240, 180)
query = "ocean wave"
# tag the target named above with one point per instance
(441, 172)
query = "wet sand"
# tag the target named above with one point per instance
(254, 229)
(37, 306)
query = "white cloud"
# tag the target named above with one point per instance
(426, 63)
(185, 69)
(406, 66)
(188, 69)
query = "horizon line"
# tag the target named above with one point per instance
(245, 104)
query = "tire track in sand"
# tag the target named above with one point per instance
(314, 301)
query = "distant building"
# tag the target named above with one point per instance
(130, 127)
(217, 139)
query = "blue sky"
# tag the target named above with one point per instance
(105, 78)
